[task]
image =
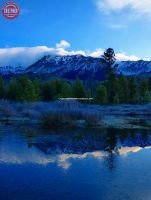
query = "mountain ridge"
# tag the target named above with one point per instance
(78, 66)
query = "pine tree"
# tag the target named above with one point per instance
(116, 99)
(147, 97)
(134, 91)
(38, 88)
(2, 90)
(109, 56)
(144, 91)
(78, 89)
(112, 87)
(58, 85)
(149, 84)
(13, 91)
(66, 91)
(26, 90)
(123, 89)
(101, 94)
(29, 92)
(21, 83)
(49, 91)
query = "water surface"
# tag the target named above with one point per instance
(74, 164)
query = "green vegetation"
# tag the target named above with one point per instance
(115, 90)
(122, 90)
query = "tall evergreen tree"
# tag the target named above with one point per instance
(29, 92)
(123, 90)
(116, 99)
(112, 87)
(144, 91)
(21, 83)
(13, 90)
(149, 84)
(134, 91)
(79, 89)
(66, 91)
(49, 91)
(58, 85)
(38, 89)
(109, 56)
(26, 90)
(101, 94)
(2, 90)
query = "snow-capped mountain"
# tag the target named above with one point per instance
(78, 66)
(70, 67)
(133, 68)
(8, 70)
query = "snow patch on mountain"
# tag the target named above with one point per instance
(70, 67)
(131, 68)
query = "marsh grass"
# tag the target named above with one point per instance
(70, 113)
(55, 119)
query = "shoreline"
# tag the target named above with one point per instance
(62, 114)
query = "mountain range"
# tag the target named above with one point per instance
(78, 66)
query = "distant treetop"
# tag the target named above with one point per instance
(109, 56)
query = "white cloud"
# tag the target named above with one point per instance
(25, 56)
(21, 56)
(63, 44)
(124, 57)
(137, 7)
(96, 53)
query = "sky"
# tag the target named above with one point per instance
(76, 26)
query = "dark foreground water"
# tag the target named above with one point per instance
(74, 164)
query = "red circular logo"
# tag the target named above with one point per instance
(10, 10)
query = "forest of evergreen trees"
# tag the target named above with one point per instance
(115, 90)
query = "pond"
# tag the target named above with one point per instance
(77, 164)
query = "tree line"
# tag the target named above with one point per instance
(24, 89)
(121, 90)
(114, 90)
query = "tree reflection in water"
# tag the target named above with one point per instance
(81, 141)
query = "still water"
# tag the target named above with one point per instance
(77, 164)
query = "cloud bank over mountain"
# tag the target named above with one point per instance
(25, 56)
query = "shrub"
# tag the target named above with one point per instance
(54, 119)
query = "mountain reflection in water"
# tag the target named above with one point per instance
(31, 145)
(62, 164)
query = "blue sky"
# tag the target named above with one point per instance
(85, 24)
